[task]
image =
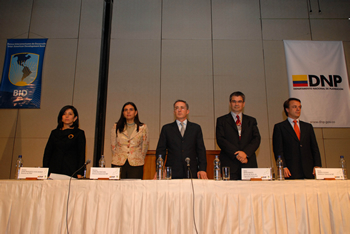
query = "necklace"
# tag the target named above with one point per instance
(130, 125)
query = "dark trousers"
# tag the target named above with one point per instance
(130, 172)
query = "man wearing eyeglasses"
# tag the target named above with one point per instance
(238, 137)
(183, 139)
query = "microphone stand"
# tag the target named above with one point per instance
(189, 175)
(70, 179)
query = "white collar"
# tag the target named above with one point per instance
(184, 122)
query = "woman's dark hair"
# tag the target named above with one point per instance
(122, 120)
(59, 118)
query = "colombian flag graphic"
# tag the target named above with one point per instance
(300, 81)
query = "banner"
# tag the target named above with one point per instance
(317, 76)
(21, 77)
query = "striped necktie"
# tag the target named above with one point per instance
(182, 130)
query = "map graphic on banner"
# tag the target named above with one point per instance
(21, 78)
(317, 76)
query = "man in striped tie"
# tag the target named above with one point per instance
(295, 142)
(180, 140)
(238, 137)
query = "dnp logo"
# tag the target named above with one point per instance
(317, 82)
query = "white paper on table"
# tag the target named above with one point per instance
(256, 173)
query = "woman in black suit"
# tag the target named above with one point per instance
(65, 149)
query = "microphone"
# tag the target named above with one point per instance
(188, 161)
(189, 174)
(86, 163)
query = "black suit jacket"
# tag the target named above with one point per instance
(190, 145)
(228, 140)
(65, 151)
(300, 157)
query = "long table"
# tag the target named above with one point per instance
(166, 206)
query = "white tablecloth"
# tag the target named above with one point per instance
(135, 206)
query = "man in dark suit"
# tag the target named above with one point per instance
(183, 139)
(295, 142)
(238, 137)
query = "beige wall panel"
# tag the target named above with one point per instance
(6, 148)
(187, 75)
(57, 89)
(153, 142)
(284, 9)
(15, 20)
(234, 57)
(321, 145)
(336, 133)
(134, 76)
(237, 20)
(209, 143)
(330, 9)
(276, 81)
(333, 149)
(238, 66)
(318, 133)
(89, 154)
(216, 144)
(91, 19)
(8, 122)
(137, 19)
(264, 154)
(183, 19)
(330, 30)
(32, 151)
(86, 83)
(107, 149)
(55, 18)
(286, 29)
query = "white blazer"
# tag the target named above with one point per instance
(133, 148)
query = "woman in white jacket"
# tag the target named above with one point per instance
(129, 141)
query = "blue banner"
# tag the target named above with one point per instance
(21, 77)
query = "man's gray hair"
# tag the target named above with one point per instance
(179, 100)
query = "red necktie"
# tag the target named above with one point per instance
(238, 123)
(296, 129)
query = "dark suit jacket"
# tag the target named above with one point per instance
(228, 140)
(65, 151)
(300, 157)
(190, 145)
